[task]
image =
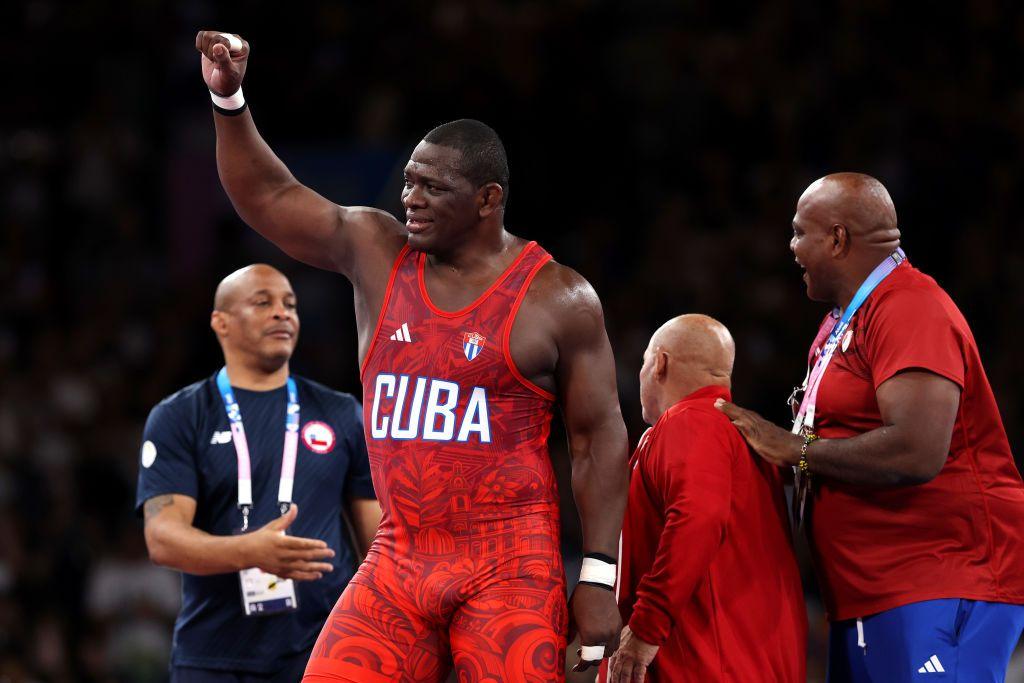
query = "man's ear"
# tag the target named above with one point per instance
(219, 324)
(661, 365)
(490, 197)
(840, 240)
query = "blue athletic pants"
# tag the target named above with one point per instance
(966, 641)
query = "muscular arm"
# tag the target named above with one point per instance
(174, 542)
(918, 410)
(302, 223)
(585, 376)
(267, 196)
(365, 514)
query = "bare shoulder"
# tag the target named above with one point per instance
(375, 238)
(374, 225)
(378, 218)
(567, 299)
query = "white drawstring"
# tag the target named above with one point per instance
(861, 643)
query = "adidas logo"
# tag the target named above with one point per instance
(932, 666)
(401, 334)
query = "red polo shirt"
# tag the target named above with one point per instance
(707, 568)
(960, 535)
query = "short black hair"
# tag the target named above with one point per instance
(483, 154)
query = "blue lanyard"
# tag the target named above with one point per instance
(291, 445)
(805, 416)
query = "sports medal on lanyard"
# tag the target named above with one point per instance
(262, 592)
(803, 417)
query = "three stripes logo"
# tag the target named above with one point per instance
(932, 666)
(401, 334)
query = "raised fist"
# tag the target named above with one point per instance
(224, 59)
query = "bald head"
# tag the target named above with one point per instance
(685, 354)
(255, 319)
(242, 283)
(845, 224)
(700, 343)
(857, 201)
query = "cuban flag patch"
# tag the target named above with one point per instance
(472, 344)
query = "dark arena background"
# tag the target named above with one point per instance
(656, 147)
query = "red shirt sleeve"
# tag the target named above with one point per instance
(911, 329)
(689, 466)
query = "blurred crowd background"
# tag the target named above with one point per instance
(656, 147)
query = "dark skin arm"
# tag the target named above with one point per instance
(918, 411)
(364, 515)
(358, 242)
(584, 373)
(173, 542)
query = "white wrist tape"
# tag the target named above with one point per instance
(234, 42)
(231, 103)
(597, 571)
(591, 653)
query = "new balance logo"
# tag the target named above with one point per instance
(932, 666)
(401, 334)
(220, 438)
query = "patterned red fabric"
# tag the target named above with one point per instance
(466, 567)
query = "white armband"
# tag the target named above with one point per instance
(598, 571)
(231, 105)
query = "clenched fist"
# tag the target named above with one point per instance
(223, 67)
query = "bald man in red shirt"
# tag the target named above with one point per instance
(709, 586)
(913, 507)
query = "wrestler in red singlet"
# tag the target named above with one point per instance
(466, 563)
(465, 571)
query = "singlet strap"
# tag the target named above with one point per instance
(383, 308)
(540, 260)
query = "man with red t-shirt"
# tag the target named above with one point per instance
(914, 509)
(709, 587)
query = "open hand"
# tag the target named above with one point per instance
(773, 443)
(629, 663)
(289, 557)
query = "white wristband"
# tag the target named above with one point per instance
(230, 103)
(234, 42)
(598, 571)
(591, 653)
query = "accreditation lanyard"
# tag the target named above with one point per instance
(291, 446)
(804, 420)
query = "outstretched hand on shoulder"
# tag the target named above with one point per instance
(773, 443)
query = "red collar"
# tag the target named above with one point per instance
(702, 395)
(710, 392)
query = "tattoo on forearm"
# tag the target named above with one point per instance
(155, 504)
